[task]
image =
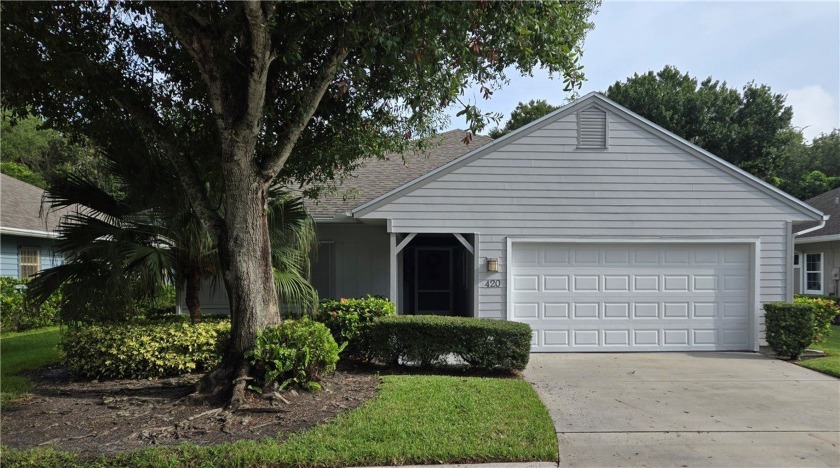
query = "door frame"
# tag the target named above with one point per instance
(754, 244)
(451, 289)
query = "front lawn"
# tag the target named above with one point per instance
(21, 352)
(415, 419)
(830, 364)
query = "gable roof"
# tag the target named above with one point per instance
(20, 210)
(828, 203)
(602, 102)
(377, 176)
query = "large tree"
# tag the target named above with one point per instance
(241, 95)
(750, 128)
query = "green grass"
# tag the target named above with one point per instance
(24, 351)
(831, 363)
(417, 419)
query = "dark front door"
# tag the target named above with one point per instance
(433, 280)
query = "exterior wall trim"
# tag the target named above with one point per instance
(752, 242)
(10, 231)
(814, 240)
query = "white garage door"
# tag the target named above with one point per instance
(632, 297)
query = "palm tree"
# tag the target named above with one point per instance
(124, 246)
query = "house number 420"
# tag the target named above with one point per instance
(493, 283)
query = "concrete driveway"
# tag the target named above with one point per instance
(688, 409)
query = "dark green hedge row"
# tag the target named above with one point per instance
(430, 341)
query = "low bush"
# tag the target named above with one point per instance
(348, 320)
(295, 352)
(789, 327)
(430, 341)
(19, 313)
(826, 311)
(144, 350)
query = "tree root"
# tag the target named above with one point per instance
(224, 384)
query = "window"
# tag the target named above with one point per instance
(814, 273)
(592, 128)
(29, 261)
(323, 270)
(796, 259)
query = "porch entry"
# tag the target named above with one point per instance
(435, 274)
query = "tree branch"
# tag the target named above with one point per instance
(187, 174)
(261, 58)
(201, 50)
(310, 101)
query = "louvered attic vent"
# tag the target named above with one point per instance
(592, 128)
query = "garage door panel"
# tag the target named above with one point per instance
(633, 297)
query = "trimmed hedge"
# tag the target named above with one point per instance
(348, 320)
(790, 327)
(144, 350)
(18, 313)
(429, 341)
(296, 351)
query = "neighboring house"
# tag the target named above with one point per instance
(598, 228)
(816, 262)
(26, 237)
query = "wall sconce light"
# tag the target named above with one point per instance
(493, 265)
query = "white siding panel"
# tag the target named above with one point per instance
(641, 186)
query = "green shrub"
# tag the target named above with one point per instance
(296, 351)
(789, 327)
(144, 350)
(826, 310)
(19, 313)
(348, 320)
(430, 340)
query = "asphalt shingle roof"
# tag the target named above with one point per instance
(828, 203)
(20, 206)
(376, 177)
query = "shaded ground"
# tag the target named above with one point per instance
(112, 416)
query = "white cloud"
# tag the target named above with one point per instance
(814, 110)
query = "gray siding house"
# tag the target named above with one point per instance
(816, 261)
(26, 238)
(601, 230)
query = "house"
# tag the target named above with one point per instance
(598, 228)
(816, 260)
(26, 237)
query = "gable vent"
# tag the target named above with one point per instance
(592, 128)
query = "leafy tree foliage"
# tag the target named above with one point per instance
(749, 128)
(238, 96)
(810, 170)
(523, 114)
(35, 154)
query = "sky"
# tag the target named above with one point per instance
(792, 46)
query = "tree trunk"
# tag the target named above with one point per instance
(192, 299)
(245, 254)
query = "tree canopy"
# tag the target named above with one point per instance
(523, 114)
(238, 96)
(750, 128)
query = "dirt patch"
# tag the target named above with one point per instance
(117, 415)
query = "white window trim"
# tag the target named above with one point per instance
(805, 272)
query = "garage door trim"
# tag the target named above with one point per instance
(754, 262)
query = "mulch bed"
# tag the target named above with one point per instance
(117, 415)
